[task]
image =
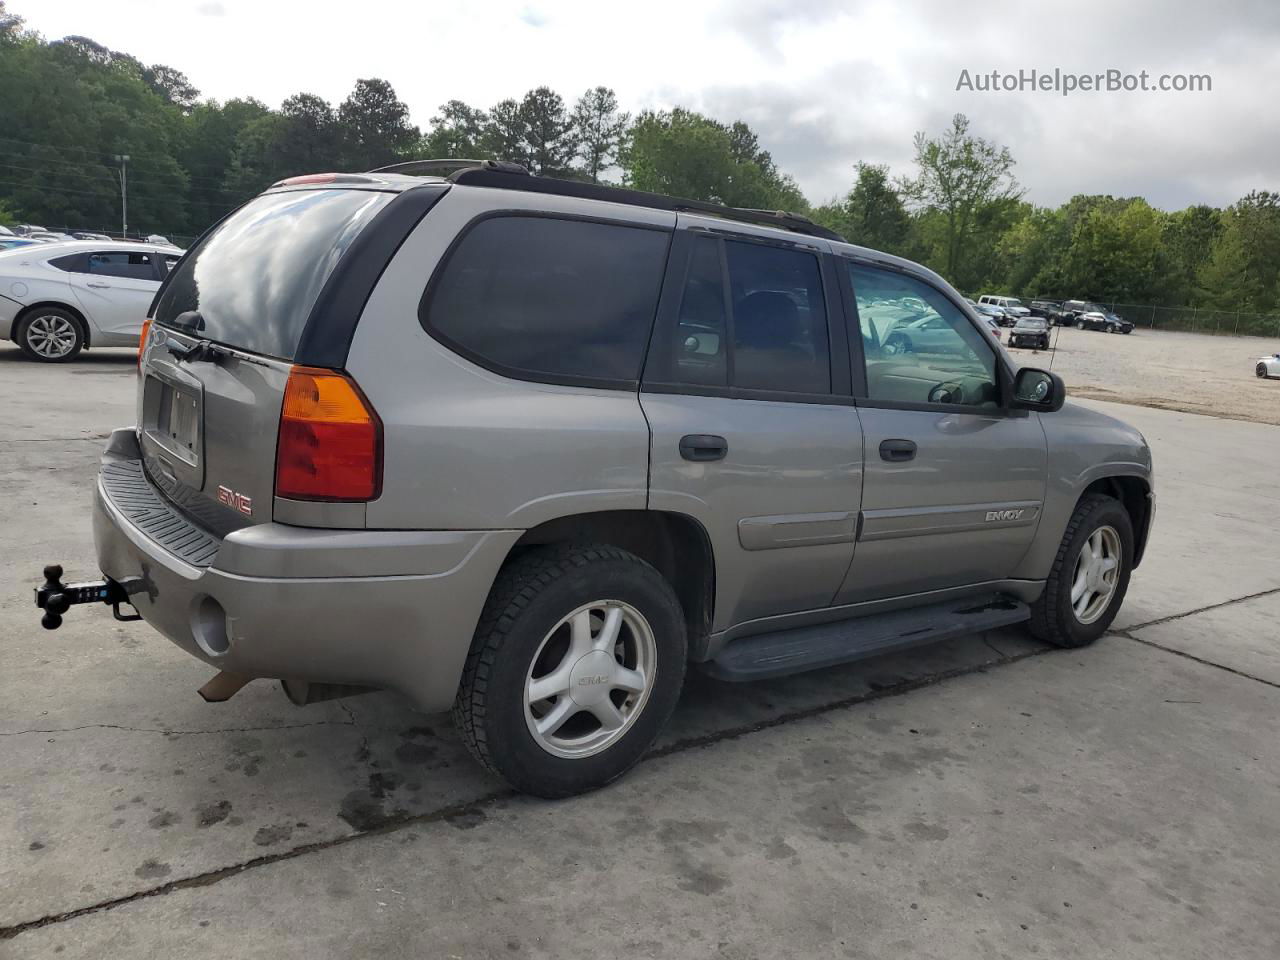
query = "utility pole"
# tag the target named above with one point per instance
(123, 160)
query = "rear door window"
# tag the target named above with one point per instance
(550, 299)
(752, 317)
(116, 263)
(252, 282)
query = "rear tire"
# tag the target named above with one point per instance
(1261, 370)
(1080, 598)
(50, 335)
(546, 629)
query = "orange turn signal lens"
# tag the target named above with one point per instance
(330, 443)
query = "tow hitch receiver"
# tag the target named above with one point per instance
(55, 597)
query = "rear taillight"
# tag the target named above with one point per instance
(142, 340)
(330, 445)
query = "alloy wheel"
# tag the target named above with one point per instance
(1097, 574)
(590, 679)
(51, 336)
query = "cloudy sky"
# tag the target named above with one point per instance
(824, 82)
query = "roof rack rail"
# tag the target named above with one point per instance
(414, 167)
(503, 176)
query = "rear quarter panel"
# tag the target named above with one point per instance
(465, 448)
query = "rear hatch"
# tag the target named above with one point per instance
(208, 423)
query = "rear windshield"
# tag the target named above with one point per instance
(252, 282)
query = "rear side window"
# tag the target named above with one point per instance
(251, 283)
(568, 301)
(133, 266)
(752, 317)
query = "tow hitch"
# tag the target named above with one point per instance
(55, 597)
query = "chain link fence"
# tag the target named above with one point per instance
(1230, 323)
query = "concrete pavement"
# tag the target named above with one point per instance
(946, 803)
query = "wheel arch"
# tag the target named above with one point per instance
(675, 544)
(1134, 493)
(75, 312)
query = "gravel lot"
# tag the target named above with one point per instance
(990, 797)
(1193, 372)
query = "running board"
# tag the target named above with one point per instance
(799, 649)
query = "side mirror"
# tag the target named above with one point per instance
(1038, 390)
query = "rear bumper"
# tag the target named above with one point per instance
(388, 609)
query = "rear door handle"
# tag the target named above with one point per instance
(897, 451)
(703, 447)
(98, 286)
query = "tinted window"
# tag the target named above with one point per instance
(779, 319)
(700, 347)
(134, 266)
(253, 281)
(775, 336)
(918, 346)
(551, 299)
(170, 261)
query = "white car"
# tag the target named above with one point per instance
(1268, 366)
(1012, 306)
(56, 299)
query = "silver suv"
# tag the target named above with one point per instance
(528, 448)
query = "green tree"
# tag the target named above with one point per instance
(600, 128)
(871, 214)
(1113, 252)
(1242, 271)
(550, 145)
(685, 154)
(457, 132)
(376, 126)
(959, 174)
(504, 133)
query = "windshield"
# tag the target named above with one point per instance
(253, 281)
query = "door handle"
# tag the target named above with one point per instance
(703, 447)
(897, 451)
(98, 286)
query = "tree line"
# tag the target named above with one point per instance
(71, 106)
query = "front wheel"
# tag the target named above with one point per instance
(1090, 575)
(1081, 325)
(575, 667)
(1261, 370)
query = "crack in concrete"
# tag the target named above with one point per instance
(400, 821)
(1204, 609)
(179, 733)
(1192, 656)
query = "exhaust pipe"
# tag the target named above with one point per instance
(223, 687)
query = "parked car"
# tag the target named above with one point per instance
(1012, 306)
(995, 313)
(23, 229)
(1268, 367)
(1050, 310)
(47, 236)
(527, 448)
(61, 298)
(6, 232)
(1091, 316)
(81, 235)
(157, 238)
(1032, 332)
(12, 243)
(994, 328)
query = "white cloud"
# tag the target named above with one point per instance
(825, 82)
